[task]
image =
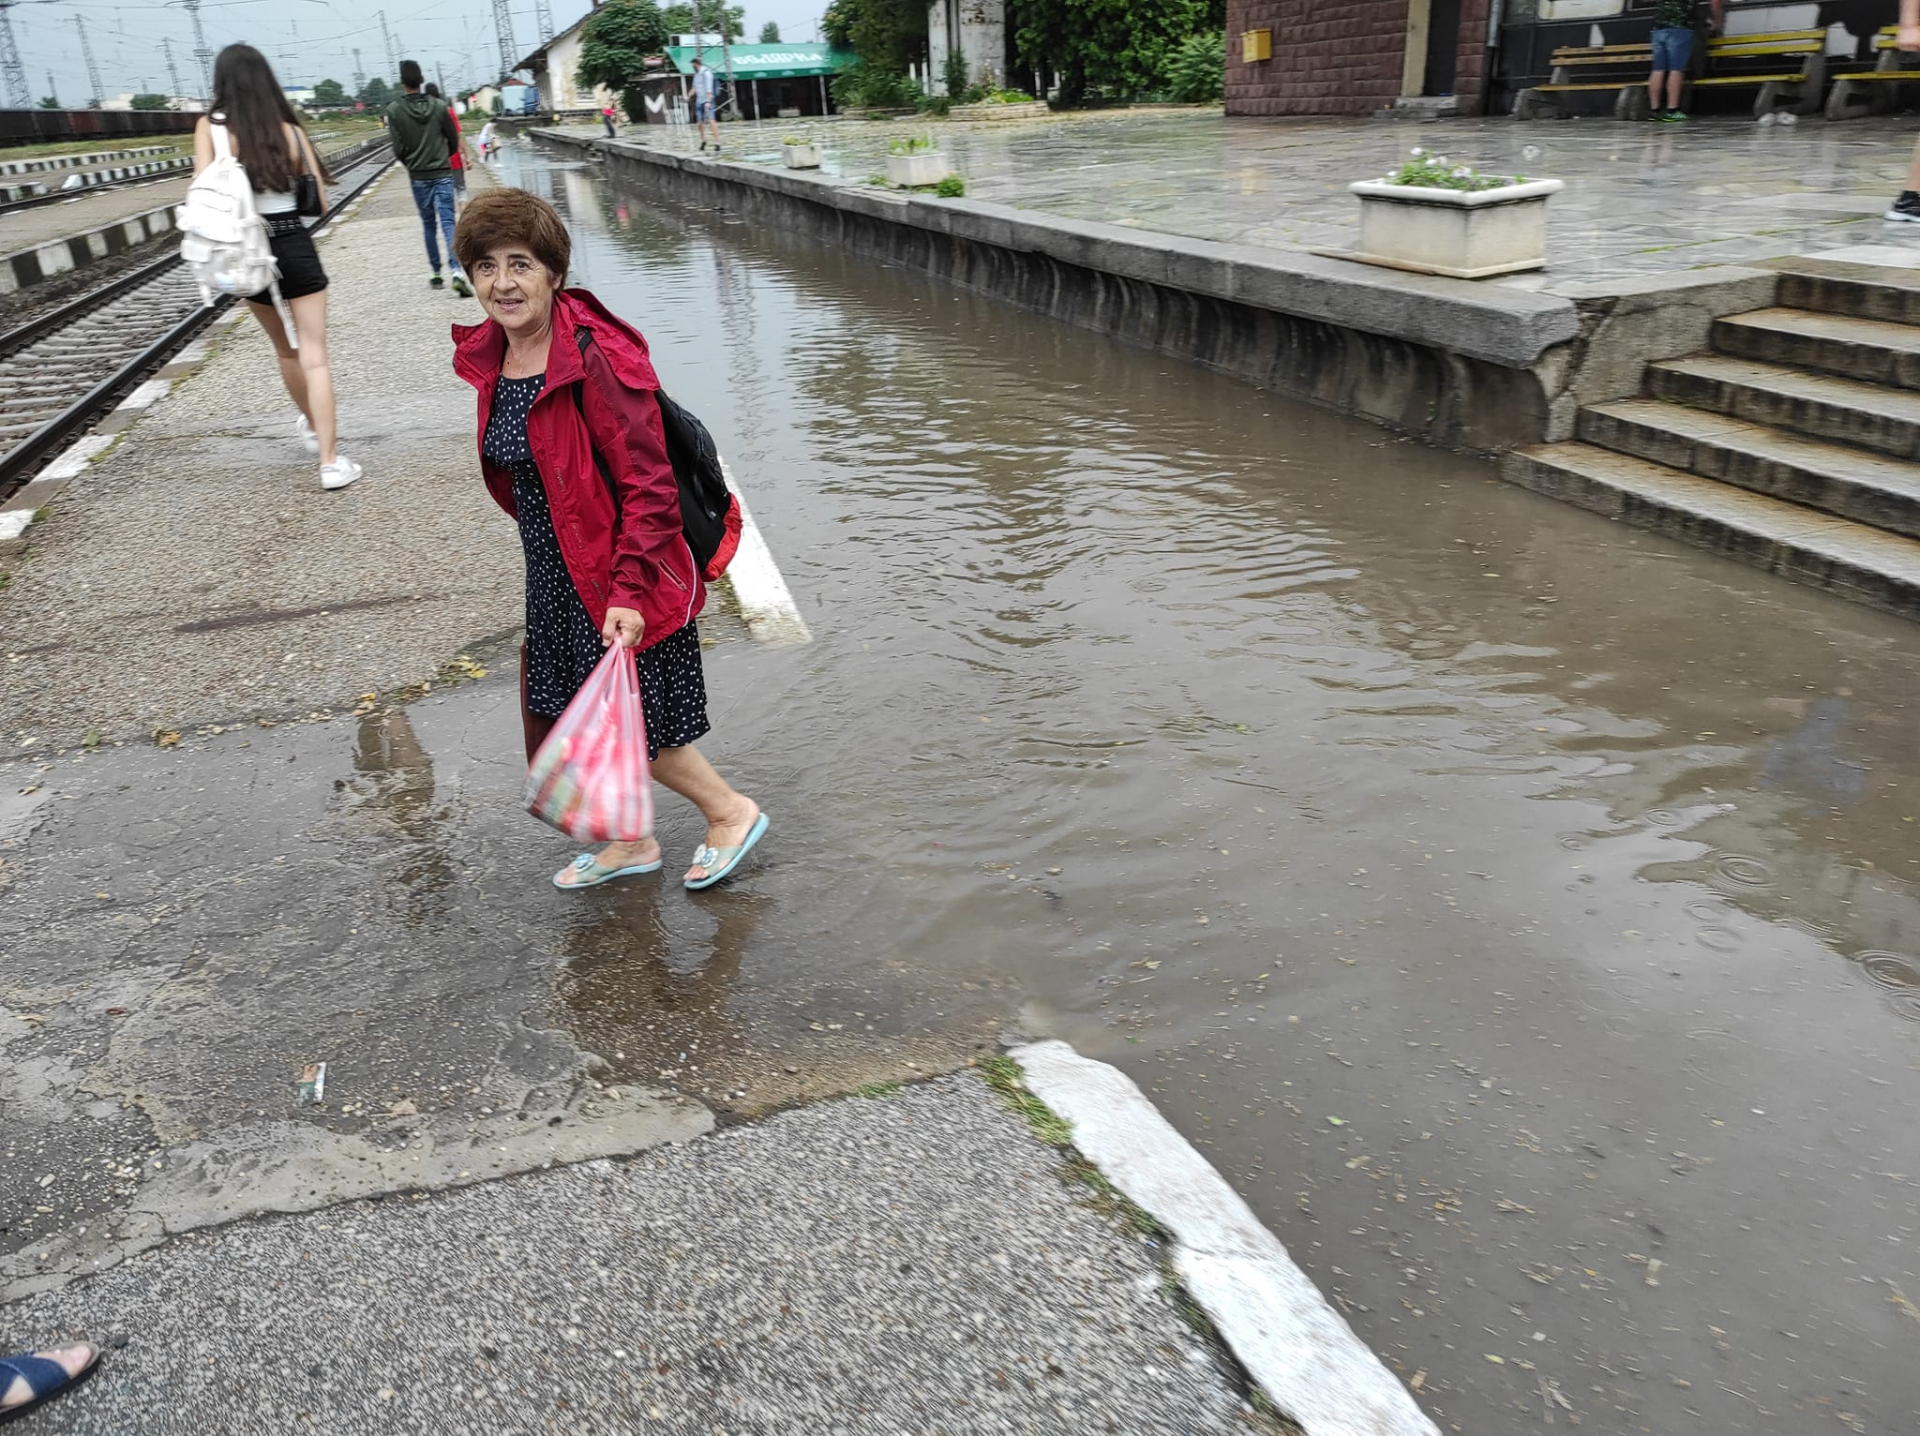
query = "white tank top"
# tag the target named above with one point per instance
(265, 200)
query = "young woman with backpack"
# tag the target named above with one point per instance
(578, 445)
(250, 118)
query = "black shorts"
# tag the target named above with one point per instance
(299, 261)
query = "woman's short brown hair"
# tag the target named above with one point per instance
(505, 218)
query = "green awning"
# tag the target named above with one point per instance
(766, 62)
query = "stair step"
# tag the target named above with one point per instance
(1847, 559)
(1823, 405)
(1864, 291)
(1846, 482)
(1869, 349)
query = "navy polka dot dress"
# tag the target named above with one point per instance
(563, 645)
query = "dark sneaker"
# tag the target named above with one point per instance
(437, 282)
(461, 287)
(1674, 117)
(1906, 209)
(1657, 116)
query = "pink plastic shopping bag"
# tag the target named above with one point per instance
(591, 779)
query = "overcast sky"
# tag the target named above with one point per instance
(307, 40)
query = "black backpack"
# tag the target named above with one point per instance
(705, 500)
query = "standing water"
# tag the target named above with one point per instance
(1519, 909)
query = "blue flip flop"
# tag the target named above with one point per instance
(720, 862)
(45, 1379)
(589, 865)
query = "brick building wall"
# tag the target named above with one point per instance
(1337, 57)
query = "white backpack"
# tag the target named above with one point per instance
(222, 237)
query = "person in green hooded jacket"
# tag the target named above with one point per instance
(424, 138)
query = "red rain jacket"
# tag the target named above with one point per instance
(646, 565)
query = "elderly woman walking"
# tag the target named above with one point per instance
(573, 447)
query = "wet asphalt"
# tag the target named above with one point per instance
(1517, 908)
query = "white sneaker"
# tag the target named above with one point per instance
(304, 431)
(341, 472)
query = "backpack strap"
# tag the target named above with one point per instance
(217, 127)
(582, 337)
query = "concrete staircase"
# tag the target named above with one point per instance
(1794, 445)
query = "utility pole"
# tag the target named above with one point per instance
(359, 75)
(393, 56)
(440, 77)
(18, 95)
(93, 70)
(53, 90)
(173, 73)
(503, 29)
(201, 54)
(543, 19)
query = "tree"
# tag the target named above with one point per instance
(49, 102)
(616, 43)
(375, 92)
(770, 33)
(1197, 71)
(330, 92)
(1114, 48)
(706, 17)
(150, 102)
(887, 35)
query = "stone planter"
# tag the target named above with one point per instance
(1461, 234)
(928, 167)
(801, 157)
(1032, 109)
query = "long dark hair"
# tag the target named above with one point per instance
(248, 93)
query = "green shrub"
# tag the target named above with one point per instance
(952, 187)
(955, 74)
(1010, 97)
(910, 145)
(1429, 171)
(1197, 69)
(876, 89)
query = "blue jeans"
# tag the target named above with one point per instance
(1672, 48)
(435, 198)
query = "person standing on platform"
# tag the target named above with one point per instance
(606, 113)
(1906, 209)
(1673, 22)
(424, 139)
(703, 98)
(455, 161)
(251, 119)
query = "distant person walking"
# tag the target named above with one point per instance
(703, 95)
(486, 140)
(573, 445)
(424, 139)
(252, 120)
(1906, 209)
(606, 113)
(456, 161)
(1673, 22)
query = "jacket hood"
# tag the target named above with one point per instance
(422, 105)
(479, 349)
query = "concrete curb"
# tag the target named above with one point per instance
(28, 267)
(1293, 1343)
(765, 601)
(74, 162)
(1497, 324)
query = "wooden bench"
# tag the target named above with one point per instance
(1787, 68)
(1874, 91)
(1783, 66)
(1586, 72)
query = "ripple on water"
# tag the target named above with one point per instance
(1892, 970)
(1742, 871)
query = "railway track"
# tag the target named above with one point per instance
(61, 371)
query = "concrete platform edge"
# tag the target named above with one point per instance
(1289, 1338)
(1465, 365)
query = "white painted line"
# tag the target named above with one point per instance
(75, 458)
(14, 523)
(147, 395)
(1290, 1340)
(765, 601)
